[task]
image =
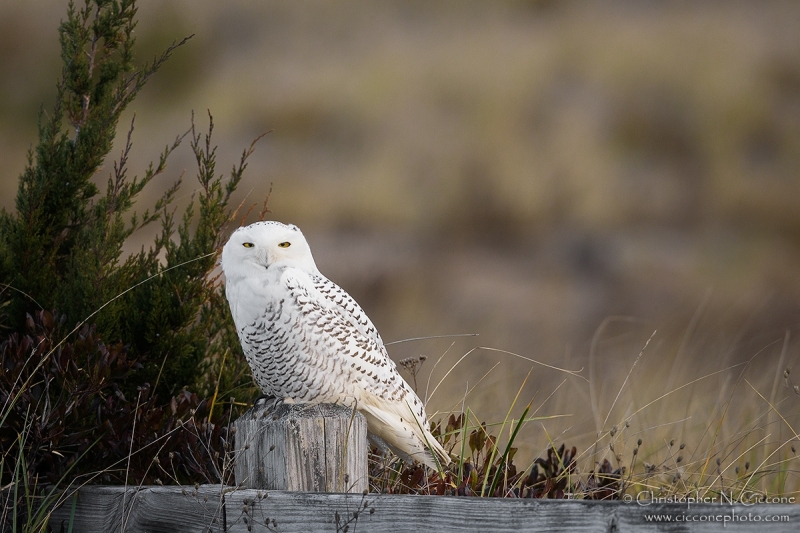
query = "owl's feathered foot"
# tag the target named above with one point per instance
(267, 402)
(386, 450)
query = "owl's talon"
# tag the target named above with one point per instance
(267, 402)
(262, 399)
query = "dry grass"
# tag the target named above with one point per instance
(671, 418)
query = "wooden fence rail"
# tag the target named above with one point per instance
(214, 508)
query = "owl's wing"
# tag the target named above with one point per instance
(335, 331)
(335, 327)
(347, 306)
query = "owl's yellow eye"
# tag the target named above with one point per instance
(248, 244)
(285, 244)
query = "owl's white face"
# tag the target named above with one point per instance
(254, 248)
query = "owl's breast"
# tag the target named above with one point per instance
(297, 344)
(268, 343)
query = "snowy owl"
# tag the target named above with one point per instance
(307, 340)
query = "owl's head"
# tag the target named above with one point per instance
(253, 248)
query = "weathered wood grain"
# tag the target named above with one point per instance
(157, 509)
(151, 509)
(303, 512)
(319, 448)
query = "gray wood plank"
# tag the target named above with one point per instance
(152, 509)
(182, 509)
(304, 512)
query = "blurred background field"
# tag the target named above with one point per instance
(560, 178)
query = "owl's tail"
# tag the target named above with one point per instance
(404, 433)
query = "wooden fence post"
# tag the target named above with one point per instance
(313, 448)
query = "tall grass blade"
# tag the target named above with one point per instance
(490, 462)
(510, 443)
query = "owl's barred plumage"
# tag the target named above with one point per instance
(306, 339)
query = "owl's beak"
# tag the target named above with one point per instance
(266, 260)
